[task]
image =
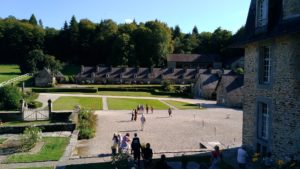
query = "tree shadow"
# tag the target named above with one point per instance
(162, 117)
(126, 131)
(124, 121)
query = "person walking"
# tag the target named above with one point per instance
(136, 149)
(132, 114)
(143, 121)
(125, 146)
(170, 112)
(151, 108)
(162, 163)
(120, 142)
(242, 157)
(215, 158)
(115, 143)
(135, 114)
(147, 108)
(147, 156)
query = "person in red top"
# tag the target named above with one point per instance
(215, 158)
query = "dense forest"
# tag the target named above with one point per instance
(106, 42)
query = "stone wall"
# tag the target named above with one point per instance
(45, 128)
(283, 94)
(10, 116)
(291, 8)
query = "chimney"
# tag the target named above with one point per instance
(82, 69)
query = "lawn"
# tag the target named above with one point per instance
(129, 104)
(8, 72)
(52, 150)
(25, 123)
(182, 105)
(125, 93)
(68, 103)
(2, 140)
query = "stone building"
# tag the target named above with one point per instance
(207, 82)
(131, 75)
(44, 78)
(271, 120)
(230, 90)
(202, 61)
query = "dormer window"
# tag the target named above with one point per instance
(261, 13)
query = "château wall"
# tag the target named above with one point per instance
(283, 94)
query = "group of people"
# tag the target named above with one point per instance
(134, 147)
(138, 110)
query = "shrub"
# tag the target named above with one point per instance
(239, 70)
(34, 104)
(87, 124)
(50, 90)
(30, 137)
(10, 97)
(167, 86)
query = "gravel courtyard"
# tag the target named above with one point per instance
(182, 132)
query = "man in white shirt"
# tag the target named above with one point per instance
(242, 157)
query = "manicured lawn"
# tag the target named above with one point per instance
(129, 104)
(37, 168)
(2, 140)
(68, 103)
(24, 123)
(125, 93)
(8, 72)
(182, 105)
(52, 150)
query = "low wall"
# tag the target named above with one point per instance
(60, 116)
(45, 128)
(10, 116)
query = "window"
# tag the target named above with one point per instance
(261, 13)
(263, 120)
(264, 65)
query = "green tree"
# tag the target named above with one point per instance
(32, 20)
(10, 97)
(36, 60)
(195, 31)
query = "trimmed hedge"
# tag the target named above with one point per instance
(130, 88)
(34, 104)
(53, 90)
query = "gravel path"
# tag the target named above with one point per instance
(182, 132)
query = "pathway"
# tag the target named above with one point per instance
(104, 103)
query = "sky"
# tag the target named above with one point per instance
(207, 15)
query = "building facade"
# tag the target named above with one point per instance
(271, 120)
(202, 61)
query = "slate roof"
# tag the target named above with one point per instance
(144, 73)
(207, 58)
(276, 26)
(232, 82)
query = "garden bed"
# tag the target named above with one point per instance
(52, 151)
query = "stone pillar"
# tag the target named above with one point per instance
(22, 108)
(50, 108)
(23, 87)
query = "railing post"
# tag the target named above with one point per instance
(50, 109)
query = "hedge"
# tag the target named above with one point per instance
(52, 90)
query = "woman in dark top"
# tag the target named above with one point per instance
(147, 156)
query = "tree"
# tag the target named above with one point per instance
(10, 97)
(195, 31)
(32, 20)
(36, 60)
